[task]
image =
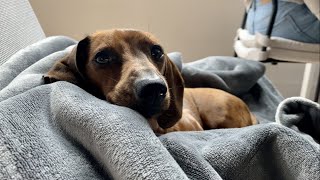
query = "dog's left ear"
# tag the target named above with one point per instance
(176, 88)
(70, 68)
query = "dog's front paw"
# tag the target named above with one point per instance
(48, 79)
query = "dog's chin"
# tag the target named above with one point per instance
(146, 109)
(148, 112)
(150, 109)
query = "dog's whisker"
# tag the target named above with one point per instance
(113, 79)
(109, 86)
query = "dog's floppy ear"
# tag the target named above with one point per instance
(71, 68)
(176, 88)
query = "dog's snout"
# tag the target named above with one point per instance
(151, 90)
(150, 95)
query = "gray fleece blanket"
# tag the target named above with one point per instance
(59, 131)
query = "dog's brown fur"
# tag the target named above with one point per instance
(183, 109)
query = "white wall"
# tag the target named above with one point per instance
(195, 28)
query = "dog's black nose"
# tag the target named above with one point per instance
(150, 95)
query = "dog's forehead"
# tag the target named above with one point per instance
(119, 36)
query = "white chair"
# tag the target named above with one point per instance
(266, 48)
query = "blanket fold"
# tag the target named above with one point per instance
(119, 138)
(59, 131)
(264, 151)
(231, 74)
(300, 114)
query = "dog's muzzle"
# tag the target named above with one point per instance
(150, 95)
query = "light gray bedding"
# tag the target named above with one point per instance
(59, 131)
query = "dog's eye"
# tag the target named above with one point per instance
(157, 52)
(104, 57)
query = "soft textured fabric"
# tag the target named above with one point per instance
(313, 5)
(293, 21)
(19, 27)
(59, 131)
(300, 114)
(233, 75)
(266, 151)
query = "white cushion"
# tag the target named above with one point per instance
(250, 47)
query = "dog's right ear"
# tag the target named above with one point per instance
(176, 88)
(71, 68)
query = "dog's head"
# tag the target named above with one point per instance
(127, 68)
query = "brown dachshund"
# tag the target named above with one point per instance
(129, 68)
